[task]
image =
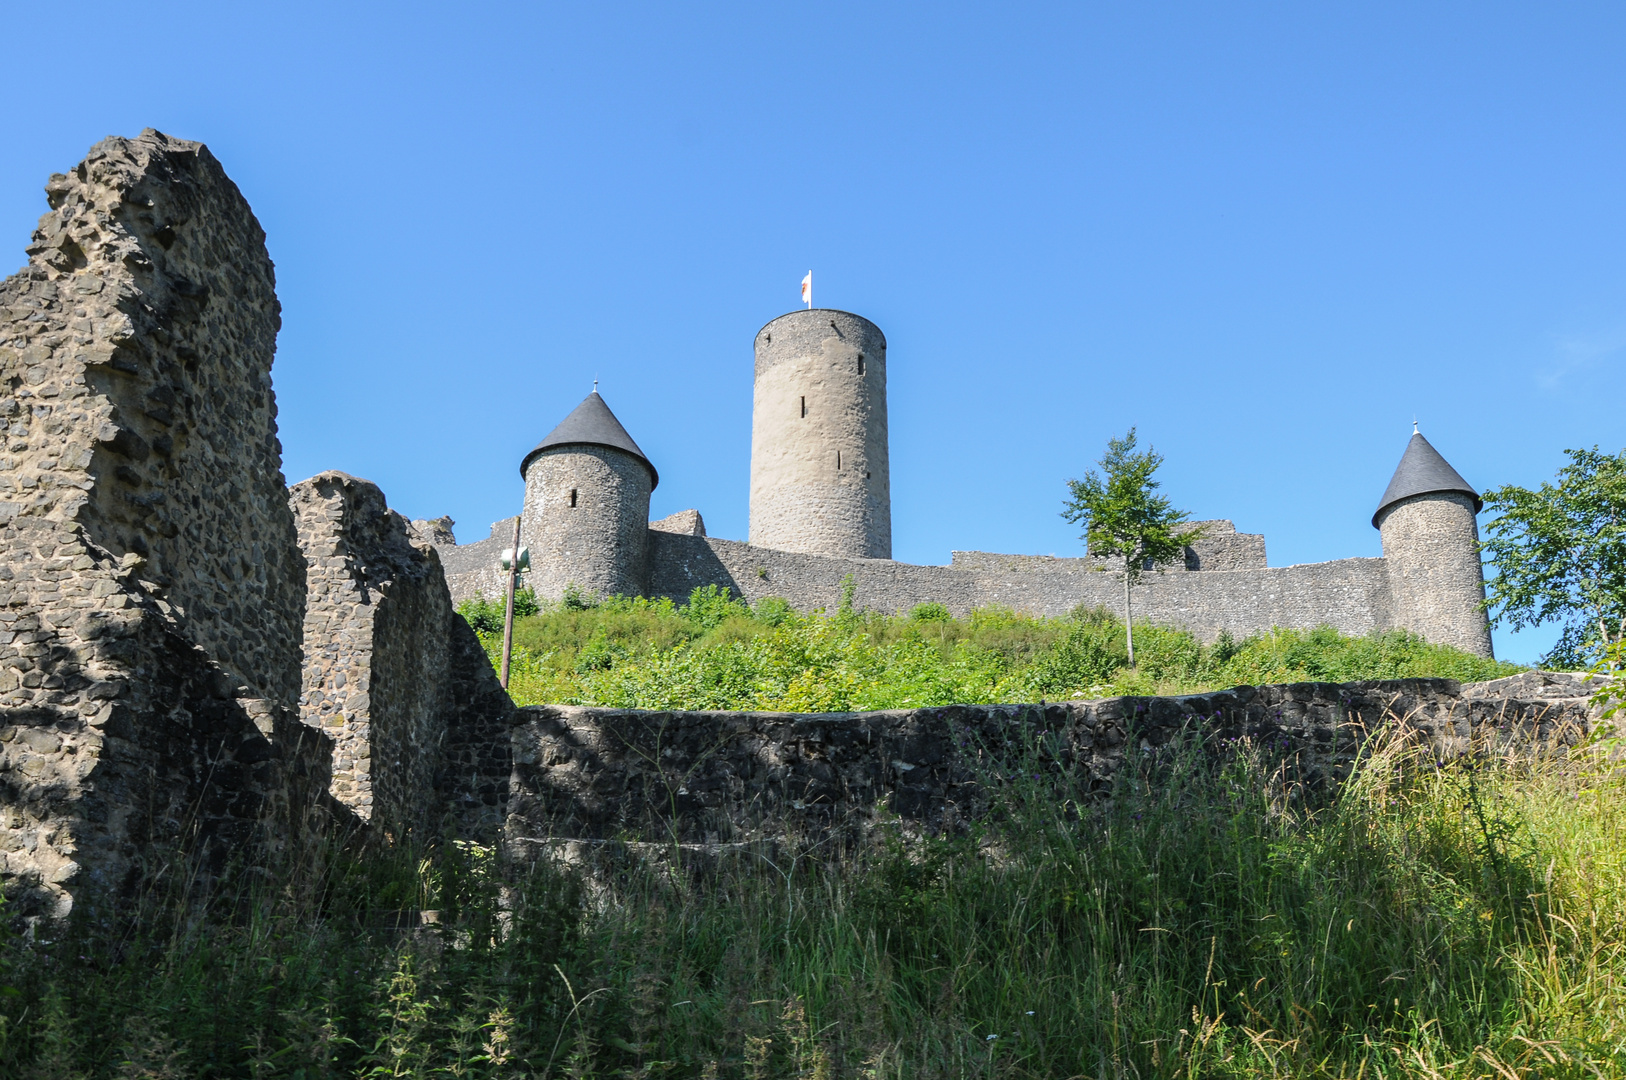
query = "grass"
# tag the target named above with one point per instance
(715, 652)
(1207, 921)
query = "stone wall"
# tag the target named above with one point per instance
(473, 570)
(730, 777)
(392, 674)
(1222, 584)
(150, 587)
(1221, 547)
(687, 522)
(1350, 594)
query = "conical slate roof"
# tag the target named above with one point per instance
(592, 424)
(1422, 471)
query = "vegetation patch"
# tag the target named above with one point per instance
(1206, 921)
(717, 652)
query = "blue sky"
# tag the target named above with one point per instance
(1267, 235)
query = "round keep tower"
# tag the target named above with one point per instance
(1431, 547)
(820, 477)
(586, 516)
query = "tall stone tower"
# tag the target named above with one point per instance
(1431, 547)
(820, 477)
(586, 517)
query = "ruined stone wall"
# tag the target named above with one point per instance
(392, 674)
(150, 587)
(471, 785)
(473, 570)
(168, 320)
(730, 777)
(376, 671)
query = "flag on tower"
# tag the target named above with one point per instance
(807, 290)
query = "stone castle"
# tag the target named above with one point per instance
(202, 668)
(821, 514)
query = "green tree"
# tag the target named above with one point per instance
(1559, 553)
(1124, 518)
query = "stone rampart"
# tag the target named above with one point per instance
(151, 591)
(731, 777)
(1222, 584)
(392, 674)
(1349, 594)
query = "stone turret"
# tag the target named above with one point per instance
(1431, 548)
(586, 516)
(820, 477)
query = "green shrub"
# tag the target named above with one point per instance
(710, 606)
(488, 616)
(1324, 655)
(930, 613)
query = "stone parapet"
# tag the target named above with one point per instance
(737, 777)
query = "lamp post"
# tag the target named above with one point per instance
(516, 560)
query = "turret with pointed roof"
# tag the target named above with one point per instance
(1422, 471)
(1431, 550)
(592, 424)
(586, 517)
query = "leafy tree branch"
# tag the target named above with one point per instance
(1559, 554)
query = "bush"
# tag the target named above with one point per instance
(488, 616)
(930, 613)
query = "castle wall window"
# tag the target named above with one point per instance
(804, 407)
(860, 364)
(838, 460)
(573, 498)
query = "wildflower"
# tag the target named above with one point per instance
(991, 1038)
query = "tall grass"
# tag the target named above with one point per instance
(1208, 920)
(715, 652)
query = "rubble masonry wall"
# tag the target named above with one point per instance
(150, 587)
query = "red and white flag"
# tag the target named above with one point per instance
(807, 290)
